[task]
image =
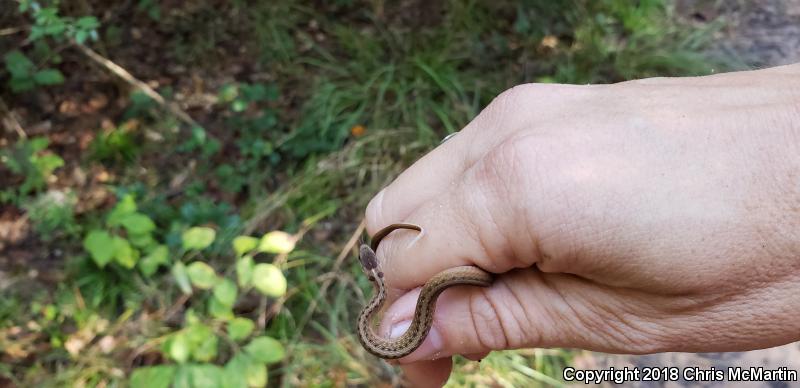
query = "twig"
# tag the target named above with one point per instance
(10, 121)
(11, 31)
(141, 86)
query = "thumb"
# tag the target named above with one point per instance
(469, 319)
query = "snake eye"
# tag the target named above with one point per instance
(380, 274)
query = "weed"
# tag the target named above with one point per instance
(53, 215)
(30, 160)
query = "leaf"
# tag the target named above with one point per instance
(137, 223)
(202, 275)
(225, 292)
(123, 208)
(244, 271)
(206, 348)
(124, 254)
(48, 77)
(21, 84)
(199, 376)
(18, 64)
(152, 377)
(198, 237)
(243, 371)
(87, 22)
(182, 278)
(244, 244)
(157, 257)
(276, 242)
(142, 241)
(100, 246)
(178, 347)
(268, 279)
(80, 36)
(236, 371)
(265, 349)
(227, 93)
(240, 328)
(219, 310)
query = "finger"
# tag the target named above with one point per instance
(428, 373)
(526, 308)
(476, 356)
(435, 172)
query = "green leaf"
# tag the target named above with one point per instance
(80, 36)
(152, 376)
(269, 279)
(204, 343)
(142, 241)
(157, 257)
(87, 22)
(225, 291)
(236, 371)
(219, 310)
(239, 105)
(240, 328)
(276, 242)
(124, 254)
(265, 349)
(100, 246)
(244, 244)
(137, 223)
(182, 278)
(256, 374)
(243, 371)
(198, 237)
(178, 347)
(48, 77)
(202, 275)
(199, 376)
(18, 64)
(244, 271)
(21, 84)
(123, 208)
(228, 93)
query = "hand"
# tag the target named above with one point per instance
(647, 216)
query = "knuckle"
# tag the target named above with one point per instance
(486, 322)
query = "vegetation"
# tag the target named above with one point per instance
(203, 236)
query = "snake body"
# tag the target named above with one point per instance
(426, 304)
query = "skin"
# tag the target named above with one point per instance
(647, 216)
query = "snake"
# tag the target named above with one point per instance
(426, 303)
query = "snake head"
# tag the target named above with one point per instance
(367, 257)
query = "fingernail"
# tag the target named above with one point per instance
(399, 328)
(430, 348)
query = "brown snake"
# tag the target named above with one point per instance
(426, 304)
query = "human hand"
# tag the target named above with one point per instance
(647, 216)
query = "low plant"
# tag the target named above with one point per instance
(52, 214)
(28, 158)
(215, 346)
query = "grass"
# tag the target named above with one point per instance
(406, 75)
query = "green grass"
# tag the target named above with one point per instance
(407, 76)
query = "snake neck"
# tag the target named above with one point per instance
(400, 346)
